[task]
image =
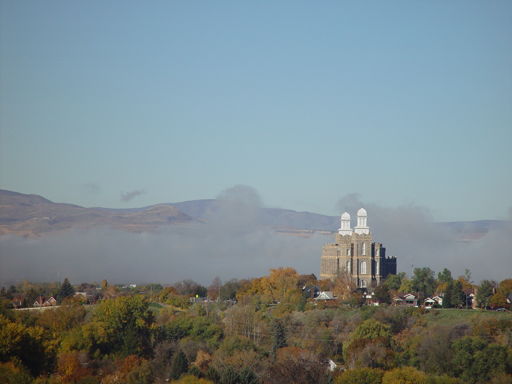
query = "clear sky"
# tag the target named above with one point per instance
(403, 102)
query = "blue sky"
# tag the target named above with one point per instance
(401, 102)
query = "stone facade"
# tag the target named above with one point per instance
(354, 252)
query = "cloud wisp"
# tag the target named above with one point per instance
(128, 196)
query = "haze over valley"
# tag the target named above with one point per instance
(232, 236)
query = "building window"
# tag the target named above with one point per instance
(348, 252)
(348, 266)
(363, 268)
(363, 248)
(363, 284)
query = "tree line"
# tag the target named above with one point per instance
(262, 330)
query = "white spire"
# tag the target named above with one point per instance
(345, 225)
(362, 228)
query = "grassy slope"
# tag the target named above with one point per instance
(457, 316)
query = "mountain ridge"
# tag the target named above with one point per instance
(32, 215)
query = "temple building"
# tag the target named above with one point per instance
(355, 253)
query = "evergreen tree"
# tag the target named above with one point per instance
(279, 336)
(212, 374)
(447, 298)
(247, 376)
(179, 366)
(194, 370)
(458, 297)
(65, 290)
(230, 376)
(484, 293)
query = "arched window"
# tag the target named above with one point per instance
(348, 251)
(348, 266)
(363, 284)
(363, 268)
(363, 248)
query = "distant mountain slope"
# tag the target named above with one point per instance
(33, 215)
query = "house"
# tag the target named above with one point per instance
(42, 301)
(470, 297)
(325, 295)
(18, 301)
(312, 290)
(431, 301)
(407, 299)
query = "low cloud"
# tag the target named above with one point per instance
(232, 244)
(130, 195)
(409, 232)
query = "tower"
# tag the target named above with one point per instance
(362, 228)
(354, 252)
(345, 225)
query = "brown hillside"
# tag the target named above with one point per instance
(33, 216)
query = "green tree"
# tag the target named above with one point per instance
(394, 282)
(122, 327)
(247, 376)
(65, 290)
(406, 375)
(447, 298)
(278, 335)
(32, 346)
(361, 376)
(212, 374)
(12, 374)
(406, 286)
(179, 365)
(229, 376)
(445, 276)
(458, 298)
(381, 294)
(229, 289)
(371, 329)
(423, 281)
(477, 361)
(484, 293)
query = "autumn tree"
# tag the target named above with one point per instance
(345, 286)
(444, 279)
(405, 375)
(122, 326)
(214, 288)
(505, 287)
(497, 301)
(31, 346)
(381, 294)
(279, 281)
(361, 376)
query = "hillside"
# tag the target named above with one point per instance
(33, 216)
